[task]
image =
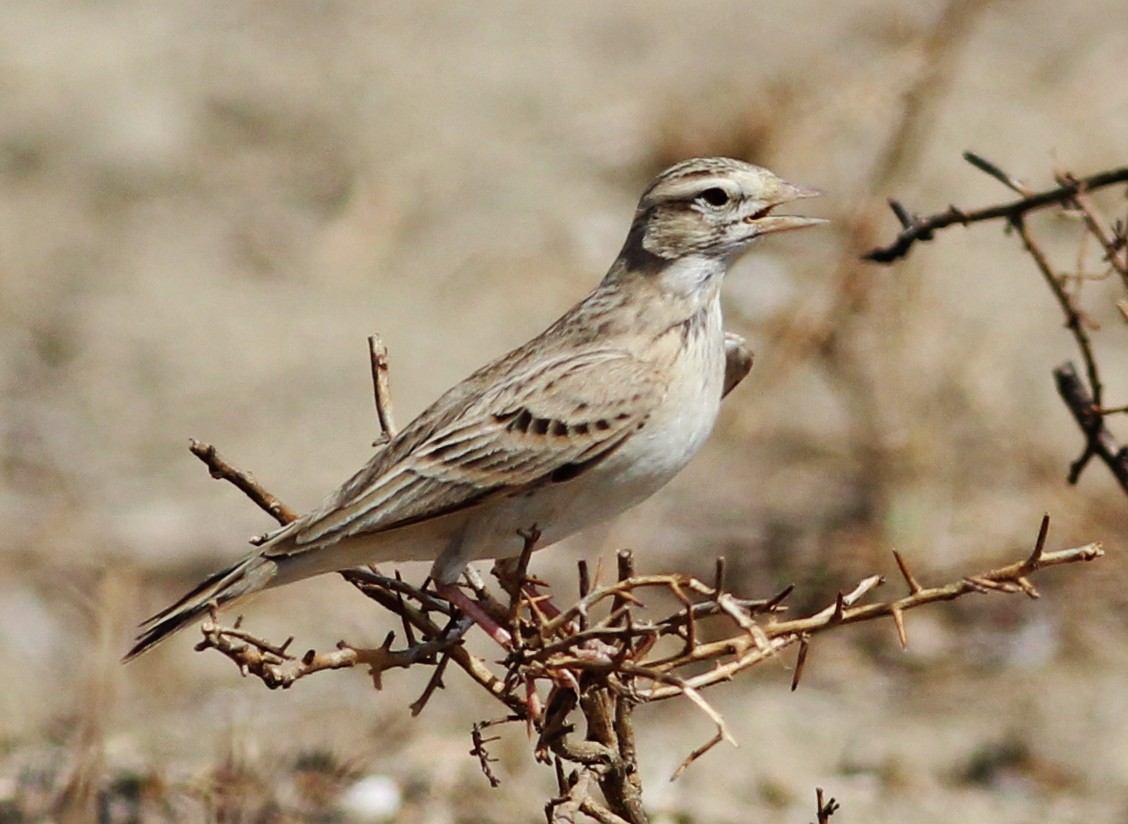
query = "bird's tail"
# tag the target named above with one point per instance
(246, 577)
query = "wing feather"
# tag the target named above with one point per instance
(539, 426)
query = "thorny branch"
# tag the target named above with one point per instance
(601, 657)
(1086, 403)
(919, 229)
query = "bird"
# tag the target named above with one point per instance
(587, 419)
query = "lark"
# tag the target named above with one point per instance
(587, 419)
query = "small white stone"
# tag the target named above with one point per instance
(372, 798)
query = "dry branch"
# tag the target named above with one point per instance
(1099, 441)
(381, 390)
(245, 482)
(1086, 403)
(824, 809)
(918, 229)
(600, 656)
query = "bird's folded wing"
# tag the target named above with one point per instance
(548, 422)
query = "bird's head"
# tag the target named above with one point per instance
(712, 208)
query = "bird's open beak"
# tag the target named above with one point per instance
(767, 223)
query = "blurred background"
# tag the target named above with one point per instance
(205, 208)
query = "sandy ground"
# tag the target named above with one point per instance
(206, 208)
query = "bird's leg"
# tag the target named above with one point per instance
(472, 610)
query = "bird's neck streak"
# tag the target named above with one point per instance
(692, 276)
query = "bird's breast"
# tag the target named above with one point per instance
(693, 358)
(679, 427)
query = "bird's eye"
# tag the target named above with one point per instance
(715, 196)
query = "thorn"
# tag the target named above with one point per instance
(800, 662)
(906, 573)
(1035, 559)
(1027, 587)
(839, 608)
(899, 619)
(994, 171)
(630, 598)
(779, 598)
(719, 577)
(904, 217)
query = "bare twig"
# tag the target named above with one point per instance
(378, 358)
(1073, 319)
(245, 482)
(1085, 403)
(1112, 242)
(824, 808)
(922, 228)
(739, 653)
(479, 750)
(985, 165)
(276, 668)
(472, 665)
(434, 683)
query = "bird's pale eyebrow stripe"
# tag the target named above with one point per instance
(684, 178)
(693, 184)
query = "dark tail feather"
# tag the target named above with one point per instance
(250, 575)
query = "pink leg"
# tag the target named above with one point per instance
(470, 608)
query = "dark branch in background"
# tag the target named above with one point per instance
(1099, 441)
(600, 657)
(919, 229)
(1086, 403)
(824, 809)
